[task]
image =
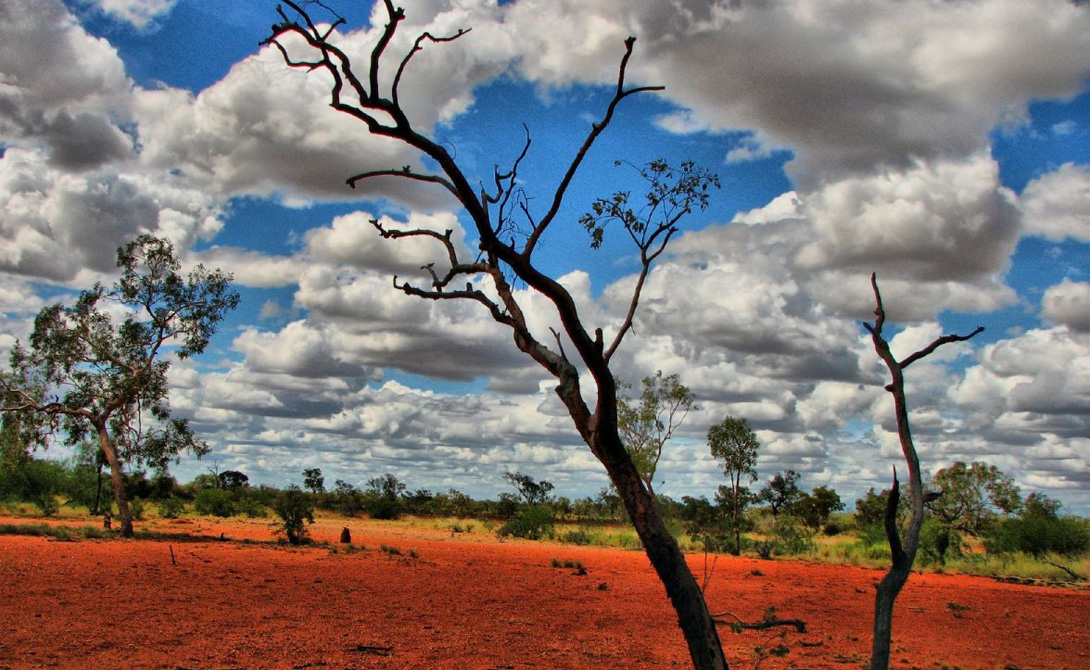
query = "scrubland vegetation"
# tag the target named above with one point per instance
(1032, 538)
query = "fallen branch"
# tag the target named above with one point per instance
(371, 649)
(1074, 575)
(770, 621)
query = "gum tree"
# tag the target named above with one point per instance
(510, 230)
(735, 446)
(648, 422)
(904, 550)
(84, 375)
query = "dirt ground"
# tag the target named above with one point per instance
(468, 601)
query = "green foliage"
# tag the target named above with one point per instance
(781, 491)
(171, 508)
(532, 492)
(791, 536)
(532, 523)
(708, 524)
(973, 496)
(672, 193)
(735, 446)
(313, 480)
(577, 537)
(84, 375)
(383, 497)
(232, 480)
(215, 502)
(1038, 535)
(294, 507)
(347, 499)
(35, 481)
(938, 542)
(647, 423)
(816, 507)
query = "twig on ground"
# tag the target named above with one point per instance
(763, 624)
(372, 649)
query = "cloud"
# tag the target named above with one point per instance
(140, 14)
(57, 225)
(1057, 204)
(61, 90)
(1068, 303)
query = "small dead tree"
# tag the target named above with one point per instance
(903, 551)
(509, 234)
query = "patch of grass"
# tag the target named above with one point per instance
(387, 549)
(568, 563)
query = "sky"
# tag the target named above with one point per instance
(943, 145)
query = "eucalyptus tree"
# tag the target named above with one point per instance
(903, 550)
(510, 230)
(84, 375)
(735, 446)
(648, 422)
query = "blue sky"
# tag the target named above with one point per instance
(944, 145)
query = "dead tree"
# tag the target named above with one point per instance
(903, 552)
(509, 234)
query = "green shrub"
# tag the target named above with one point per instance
(215, 502)
(250, 506)
(1037, 535)
(294, 507)
(532, 523)
(938, 542)
(136, 508)
(383, 508)
(791, 537)
(171, 508)
(578, 537)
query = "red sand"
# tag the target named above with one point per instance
(470, 602)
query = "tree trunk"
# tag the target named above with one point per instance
(696, 623)
(110, 451)
(903, 556)
(98, 487)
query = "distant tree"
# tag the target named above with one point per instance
(708, 524)
(418, 501)
(814, 508)
(781, 491)
(313, 480)
(347, 499)
(387, 486)
(84, 374)
(383, 498)
(735, 446)
(972, 496)
(903, 552)
(648, 422)
(532, 492)
(232, 480)
(1040, 506)
(509, 226)
(295, 508)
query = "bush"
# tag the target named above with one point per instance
(250, 506)
(532, 523)
(215, 502)
(171, 508)
(1037, 535)
(577, 537)
(937, 542)
(791, 537)
(136, 509)
(383, 508)
(294, 507)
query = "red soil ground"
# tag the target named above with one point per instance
(470, 602)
